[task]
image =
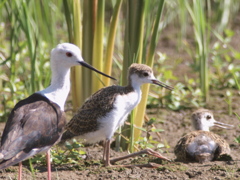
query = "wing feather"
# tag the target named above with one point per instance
(34, 123)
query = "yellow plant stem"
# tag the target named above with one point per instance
(76, 71)
(110, 44)
(98, 46)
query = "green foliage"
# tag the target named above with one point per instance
(184, 95)
(148, 141)
(71, 154)
(198, 13)
(237, 139)
(224, 58)
(24, 57)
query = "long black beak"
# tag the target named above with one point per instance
(83, 63)
(223, 125)
(159, 83)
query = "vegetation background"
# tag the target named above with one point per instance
(204, 56)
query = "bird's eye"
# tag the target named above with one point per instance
(68, 54)
(145, 74)
(208, 117)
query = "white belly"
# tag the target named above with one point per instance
(123, 105)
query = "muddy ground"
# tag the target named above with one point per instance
(175, 125)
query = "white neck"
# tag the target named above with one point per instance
(205, 128)
(136, 86)
(201, 127)
(59, 88)
(135, 83)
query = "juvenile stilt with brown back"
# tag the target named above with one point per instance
(106, 110)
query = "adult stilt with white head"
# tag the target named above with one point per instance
(37, 122)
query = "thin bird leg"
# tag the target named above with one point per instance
(48, 155)
(20, 171)
(149, 165)
(107, 153)
(145, 151)
(104, 151)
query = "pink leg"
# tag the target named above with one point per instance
(145, 151)
(49, 164)
(104, 151)
(107, 153)
(20, 171)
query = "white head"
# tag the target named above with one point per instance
(63, 57)
(67, 55)
(139, 74)
(203, 119)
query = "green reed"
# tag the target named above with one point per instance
(28, 37)
(201, 33)
(92, 13)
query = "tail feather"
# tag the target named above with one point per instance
(21, 156)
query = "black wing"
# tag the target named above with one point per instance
(34, 123)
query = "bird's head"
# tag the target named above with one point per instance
(142, 74)
(69, 55)
(203, 119)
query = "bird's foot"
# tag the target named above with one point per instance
(149, 165)
(156, 154)
(145, 151)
